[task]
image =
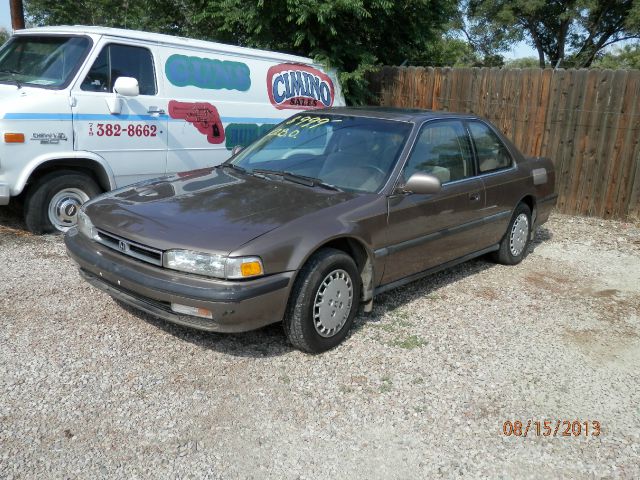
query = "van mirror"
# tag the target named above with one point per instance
(236, 150)
(422, 184)
(126, 86)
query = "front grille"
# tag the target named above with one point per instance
(132, 249)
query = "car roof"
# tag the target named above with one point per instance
(393, 113)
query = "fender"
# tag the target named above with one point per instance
(40, 160)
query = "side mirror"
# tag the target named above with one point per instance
(422, 184)
(126, 86)
(236, 150)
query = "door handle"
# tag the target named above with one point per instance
(157, 110)
(474, 197)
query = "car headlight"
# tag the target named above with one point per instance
(211, 265)
(85, 227)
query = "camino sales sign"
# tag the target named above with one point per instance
(299, 87)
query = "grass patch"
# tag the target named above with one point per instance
(387, 384)
(409, 343)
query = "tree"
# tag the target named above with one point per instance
(4, 35)
(566, 33)
(525, 62)
(626, 57)
(354, 36)
(163, 16)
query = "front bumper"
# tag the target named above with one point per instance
(237, 306)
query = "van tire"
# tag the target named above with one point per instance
(59, 188)
(324, 267)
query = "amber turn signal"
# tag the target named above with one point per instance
(251, 269)
(14, 137)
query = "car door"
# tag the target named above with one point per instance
(427, 230)
(499, 176)
(129, 132)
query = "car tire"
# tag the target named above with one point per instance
(324, 301)
(53, 201)
(515, 243)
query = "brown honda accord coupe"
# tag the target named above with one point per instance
(314, 219)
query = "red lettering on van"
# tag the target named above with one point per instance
(202, 115)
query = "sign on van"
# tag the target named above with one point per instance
(299, 87)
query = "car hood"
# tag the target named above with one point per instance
(213, 210)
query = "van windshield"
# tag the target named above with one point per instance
(42, 61)
(351, 153)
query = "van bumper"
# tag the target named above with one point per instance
(235, 306)
(5, 194)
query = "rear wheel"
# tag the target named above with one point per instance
(53, 202)
(515, 243)
(324, 301)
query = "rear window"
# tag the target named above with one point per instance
(492, 154)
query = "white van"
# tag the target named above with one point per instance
(88, 109)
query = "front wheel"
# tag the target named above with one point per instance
(54, 200)
(515, 243)
(324, 301)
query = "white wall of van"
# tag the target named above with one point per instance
(88, 109)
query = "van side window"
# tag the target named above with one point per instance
(442, 150)
(492, 154)
(121, 61)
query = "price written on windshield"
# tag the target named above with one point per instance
(118, 130)
(293, 127)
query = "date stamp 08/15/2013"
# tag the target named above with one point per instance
(551, 428)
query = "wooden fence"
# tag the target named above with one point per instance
(586, 121)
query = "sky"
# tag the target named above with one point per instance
(519, 50)
(5, 16)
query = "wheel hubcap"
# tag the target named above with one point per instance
(333, 302)
(64, 206)
(519, 235)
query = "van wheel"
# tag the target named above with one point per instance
(515, 243)
(53, 201)
(323, 302)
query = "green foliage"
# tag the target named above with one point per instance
(627, 57)
(353, 36)
(525, 62)
(567, 33)
(4, 35)
(162, 16)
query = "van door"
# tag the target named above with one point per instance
(129, 132)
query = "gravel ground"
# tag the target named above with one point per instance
(421, 388)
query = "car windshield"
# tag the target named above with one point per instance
(42, 61)
(348, 152)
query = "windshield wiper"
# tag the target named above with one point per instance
(300, 179)
(235, 167)
(13, 73)
(242, 170)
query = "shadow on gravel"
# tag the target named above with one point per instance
(429, 286)
(395, 299)
(11, 219)
(268, 341)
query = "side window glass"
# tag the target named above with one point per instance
(121, 61)
(97, 80)
(492, 154)
(442, 149)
